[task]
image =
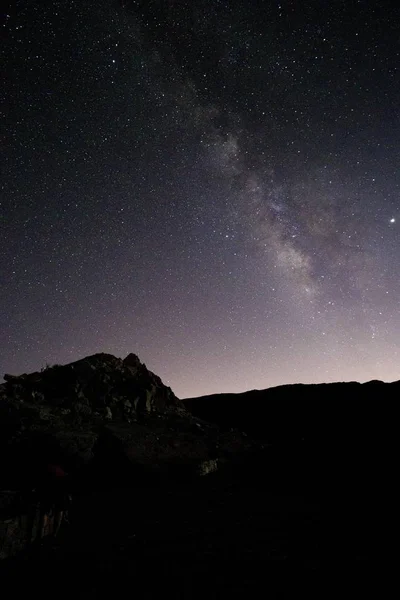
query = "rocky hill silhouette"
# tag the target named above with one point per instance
(94, 406)
(96, 384)
(109, 423)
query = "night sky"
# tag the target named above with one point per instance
(211, 184)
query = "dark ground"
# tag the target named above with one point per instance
(177, 543)
(211, 538)
(296, 513)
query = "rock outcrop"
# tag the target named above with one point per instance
(100, 384)
(69, 404)
(108, 423)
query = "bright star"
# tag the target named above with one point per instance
(393, 220)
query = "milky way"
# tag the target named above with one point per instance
(211, 185)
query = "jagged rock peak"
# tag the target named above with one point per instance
(94, 382)
(132, 360)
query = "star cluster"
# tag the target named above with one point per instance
(212, 185)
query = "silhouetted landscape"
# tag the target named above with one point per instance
(214, 493)
(213, 185)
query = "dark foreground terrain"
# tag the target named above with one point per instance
(215, 537)
(189, 542)
(195, 542)
(274, 494)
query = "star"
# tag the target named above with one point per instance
(392, 220)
